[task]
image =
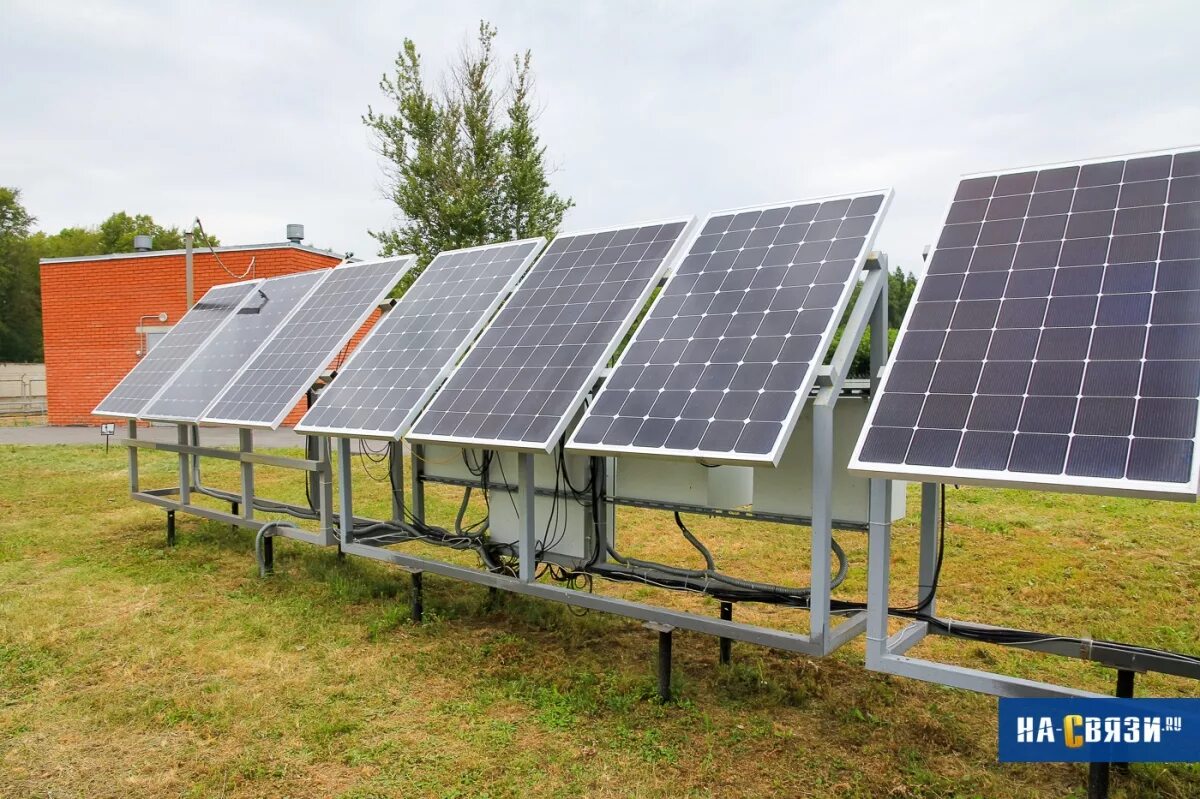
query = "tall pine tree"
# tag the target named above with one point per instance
(465, 165)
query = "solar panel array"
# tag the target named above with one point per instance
(393, 372)
(186, 337)
(213, 366)
(324, 322)
(1055, 337)
(727, 355)
(521, 383)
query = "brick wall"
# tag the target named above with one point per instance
(91, 311)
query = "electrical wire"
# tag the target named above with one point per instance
(208, 243)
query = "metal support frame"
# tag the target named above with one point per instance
(242, 504)
(887, 653)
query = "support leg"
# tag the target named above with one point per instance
(418, 483)
(246, 446)
(345, 494)
(664, 665)
(185, 466)
(1097, 781)
(1125, 679)
(726, 643)
(879, 556)
(665, 641)
(527, 566)
(931, 519)
(396, 479)
(268, 554)
(170, 528)
(418, 598)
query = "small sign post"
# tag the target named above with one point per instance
(107, 430)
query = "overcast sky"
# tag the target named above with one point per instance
(250, 117)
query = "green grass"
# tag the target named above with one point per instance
(131, 669)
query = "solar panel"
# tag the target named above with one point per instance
(525, 377)
(213, 366)
(186, 337)
(393, 372)
(727, 355)
(1054, 340)
(272, 383)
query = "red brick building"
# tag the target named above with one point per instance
(100, 313)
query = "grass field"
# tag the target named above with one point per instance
(130, 669)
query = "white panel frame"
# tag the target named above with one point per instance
(1105, 486)
(157, 417)
(173, 375)
(405, 264)
(484, 319)
(682, 244)
(802, 394)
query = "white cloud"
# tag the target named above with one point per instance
(250, 117)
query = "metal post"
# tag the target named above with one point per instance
(189, 274)
(312, 452)
(822, 517)
(418, 598)
(879, 555)
(345, 492)
(1098, 775)
(324, 495)
(726, 643)
(133, 457)
(418, 483)
(396, 463)
(525, 503)
(665, 640)
(170, 528)
(246, 446)
(931, 518)
(185, 467)
(1125, 679)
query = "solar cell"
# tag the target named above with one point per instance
(722, 365)
(527, 374)
(275, 379)
(213, 366)
(1054, 340)
(158, 365)
(395, 370)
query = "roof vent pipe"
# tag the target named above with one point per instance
(142, 243)
(295, 233)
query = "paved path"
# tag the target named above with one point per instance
(41, 435)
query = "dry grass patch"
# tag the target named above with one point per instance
(130, 669)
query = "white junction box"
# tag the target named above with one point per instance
(685, 482)
(787, 489)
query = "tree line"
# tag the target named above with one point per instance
(21, 247)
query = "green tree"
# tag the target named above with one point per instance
(20, 299)
(20, 273)
(901, 286)
(465, 165)
(113, 235)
